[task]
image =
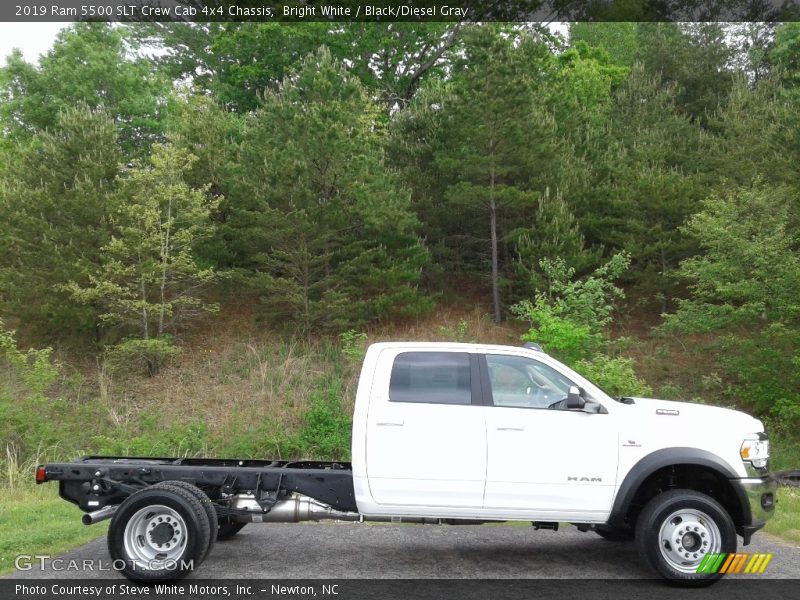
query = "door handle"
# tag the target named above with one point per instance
(389, 424)
(510, 429)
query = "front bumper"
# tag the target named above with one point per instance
(760, 496)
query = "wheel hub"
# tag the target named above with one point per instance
(153, 535)
(691, 541)
(686, 536)
(161, 533)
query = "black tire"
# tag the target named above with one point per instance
(702, 514)
(211, 512)
(173, 502)
(614, 534)
(228, 530)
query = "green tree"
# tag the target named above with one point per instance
(643, 172)
(619, 40)
(318, 221)
(150, 281)
(694, 59)
(581, 81)
(753, 45)
(491, 147)
(56, 200)
(239, 62)
(201, 126)
(569, 317)
(569, 314)
(744, 288)
(555, 235)
(394, 59)
(785, 54)
(757, 136)
(89, 63)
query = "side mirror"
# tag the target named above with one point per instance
(574, 398)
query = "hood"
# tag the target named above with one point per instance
(670, 411)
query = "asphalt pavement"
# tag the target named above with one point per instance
(379, 551)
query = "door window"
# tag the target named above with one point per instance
(521, 382)
(431, 377)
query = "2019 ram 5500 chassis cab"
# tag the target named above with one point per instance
(460, 433)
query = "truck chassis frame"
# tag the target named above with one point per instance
(96, 482)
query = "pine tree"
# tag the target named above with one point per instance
(494, 149)
(318, 221)
(199, 125)
(149, 282)
(56, 200)
(555, 234)
(757, 135)
(645, 175)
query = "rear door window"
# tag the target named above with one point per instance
(431, 377)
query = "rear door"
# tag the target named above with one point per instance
(426, 436)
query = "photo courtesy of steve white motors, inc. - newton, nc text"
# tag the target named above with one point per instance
(399, 299)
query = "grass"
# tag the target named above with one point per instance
(785, 523)
(35, 521)
(784, 449)
(240, 390)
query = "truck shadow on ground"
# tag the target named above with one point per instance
(422, 551)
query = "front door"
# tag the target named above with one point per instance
(542, 457)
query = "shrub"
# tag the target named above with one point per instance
(326, 430)
(568, 317)
(615, 375)
(353, 343)
(558, 335)
(141, 356)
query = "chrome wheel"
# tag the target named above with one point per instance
(686, 536)
(155, 537)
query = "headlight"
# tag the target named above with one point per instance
(756, 452)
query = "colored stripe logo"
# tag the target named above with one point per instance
(734, 563)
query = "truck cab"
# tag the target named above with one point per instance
(490, 432)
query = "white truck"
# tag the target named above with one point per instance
(460, 433)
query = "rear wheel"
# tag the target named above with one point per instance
(228, 530)
(159, 533)
(677, 529)
(208, 506)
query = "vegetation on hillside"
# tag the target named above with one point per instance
(207, 237)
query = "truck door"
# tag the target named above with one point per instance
(426, 435)
(543, 457)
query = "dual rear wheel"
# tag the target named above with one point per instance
(162, 532)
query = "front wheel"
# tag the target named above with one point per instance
(678, 529)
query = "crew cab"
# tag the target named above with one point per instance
(460, 433)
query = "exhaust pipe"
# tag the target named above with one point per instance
(292, 510)
(302, 508)
(99, 515)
